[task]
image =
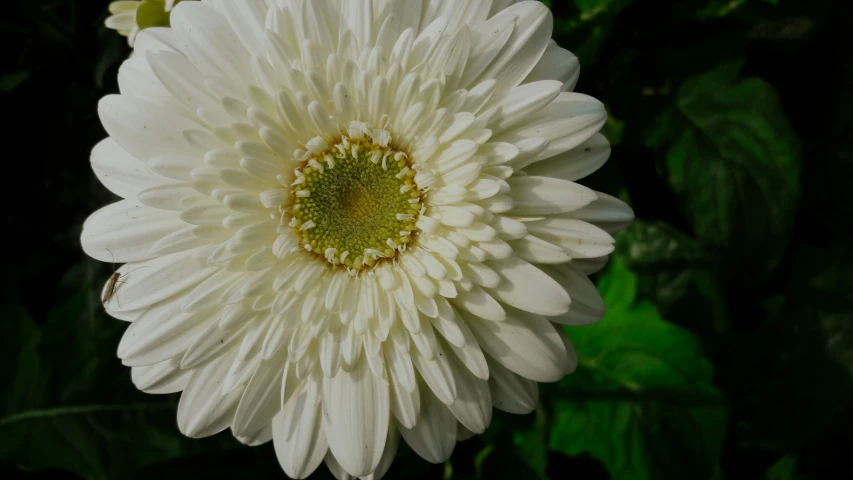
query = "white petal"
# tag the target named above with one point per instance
(437, 374)
(182, 80)
(536, 250)
(260, 437)
(125, 231)
(298, 435)
(261, 400)
(565, 123)
(533, 27)
(587, 305)
(160, 378)
(588, 266)
(210, 42)
(556, 64)
(522, 101)
(156, 39)
(575, 164)
(160, 279)
(336, 468)
(463, 433)
(434, 436)
(473, 405)
(480, 303)
(143, 129)
(547, 196)
(204, 410)
(210, 344)
(121, 172)
(578, 238)
(159, 334)
(405, 403)
(525, 343)
(356, 412)
(608, 213)
(510, 392)
(247, 18)
(470, 354)
(388, 455)
(528, 288)
(357, 16)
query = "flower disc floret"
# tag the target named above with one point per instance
(356, 203)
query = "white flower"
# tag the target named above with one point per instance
(123, 16)
(350, 220)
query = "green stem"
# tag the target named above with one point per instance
(79, 410)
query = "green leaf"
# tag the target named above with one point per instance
(652, 246)
(504, 462)
(734, 161)
(530, 445)
(68, 403)
(23, 380)
(800, 357)
(10, 81)
(723, 8)
(516, 444)
(614, 130)
(593, 8)
(678, 274)
(784, 469)
(585, 34)
(642, 400)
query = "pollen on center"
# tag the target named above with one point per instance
(356, 203)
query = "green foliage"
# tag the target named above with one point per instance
(784, 469)
(63, 387)
(734, 160)
(678, 274)
(642, 400)
(10, 81)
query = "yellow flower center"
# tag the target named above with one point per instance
(355, 204)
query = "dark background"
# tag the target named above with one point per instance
(727, 351)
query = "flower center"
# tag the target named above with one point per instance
(356, 203)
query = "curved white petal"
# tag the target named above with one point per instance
(547, 196)
(580, 239)
(587, 305)
(607, 212)
(126, 231)
(204, 410)
(161, 378)
(533, 25)
(262, 399)
(556, 64)
(576, 163)
(473, 405)
(566, 123)
(434, 436)
(526, 287)
(146, 283)
(356, 412)
(298, 434)
(511, 392)
(144, 129)
(121, 172)
(525, 343)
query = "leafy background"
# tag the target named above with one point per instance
(727, 350)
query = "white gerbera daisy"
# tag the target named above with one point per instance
(124, 17)
(350, 220)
